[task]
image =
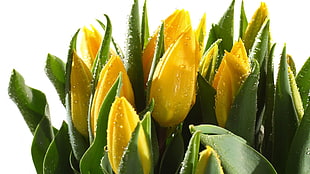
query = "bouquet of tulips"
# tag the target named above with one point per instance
(178, 101)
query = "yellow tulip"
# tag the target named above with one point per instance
(201, 32)
(254, 25)
(233, 70)
(174, 26)
(80, 92)
(174, 81)
(204, 161)
(123, 119)
(107, 77)
(90, 42)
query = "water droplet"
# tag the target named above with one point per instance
(75, 101)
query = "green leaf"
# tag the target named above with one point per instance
(78, 142)
(242, 116)
(260, 46)
(55, 70)
(235, 155)
(223, 30)
(105, 164)
(269, 106)
(90, 162)
(57, 158)
(145, 33)
(42, 138)
(31, 102)
(159, 50)
(243, 21)
(130, 162)
(133, 56)
(303, 82)
(285, 117)
(299, 155)
(103, 53)
(191, 156)
(173, 154)
(206, 94)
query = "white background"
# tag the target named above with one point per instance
(30, 29)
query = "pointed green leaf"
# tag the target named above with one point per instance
(31, 102)
(103, 53)
(191, 156)
(206, 94)
(223, 30)
(57, 158)
(55, 70)
(261, 44)
(269, 106)
(145, 33)
(285, 117)
(303, 82)
(242, 116)
(159, 50)
(130, 162)
(235, 155)
(78, 142)
(133, 56)
(243, 21)
(299, 155)
(91, 160)
(42, 138)
(173, 154)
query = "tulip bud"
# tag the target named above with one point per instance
(175, 25)
(254, 25)
(174, 81)
(233, 70)
(90, 42)
(80, 92)
(107, 78)
(123, 120)
(209, 157)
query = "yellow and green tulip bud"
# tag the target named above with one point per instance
(174, 26)
(295, 94)
(233, 70)
(123, 119)
(254, 25)
(201, 32)
(90, 42)
(174, 81)
(107, 77)
(80, 93)
(205, 162)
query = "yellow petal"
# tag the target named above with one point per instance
(206, 60)
(203, 163)
(107, 78)
(174, 82)
(201, 32)
(254, 25)
(175, 24)
(123, 119)
(296, 95)
(233, 70)
(89, 45)
(80, 92)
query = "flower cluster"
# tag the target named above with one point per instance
(178, 101)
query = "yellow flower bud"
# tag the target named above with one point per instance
(233, 70)
(175, 25)
(123, 119)
(254, 25)
(204, 162)
(89, 45)
(174, 82)
(107, 77)
(80, 92)
(201, 32)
